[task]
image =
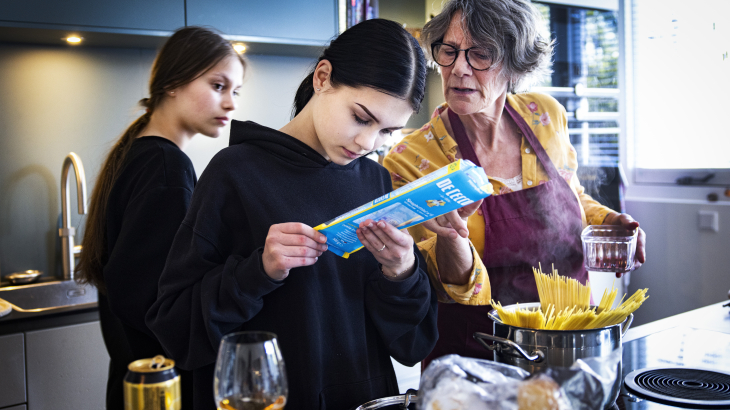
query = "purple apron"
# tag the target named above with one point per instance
(539, 224)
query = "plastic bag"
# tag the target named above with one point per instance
(455, 383)
(591, 378)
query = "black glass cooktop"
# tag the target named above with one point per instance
(680, 347)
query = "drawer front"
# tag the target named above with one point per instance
(68, 368)
(12, 370)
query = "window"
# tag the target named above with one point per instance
(585, 77)
(681, 76)
(585, 81)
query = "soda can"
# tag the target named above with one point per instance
(152, 384)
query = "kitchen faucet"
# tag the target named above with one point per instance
(67, 232)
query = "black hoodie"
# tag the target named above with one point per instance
(338, 321)
(146, 205)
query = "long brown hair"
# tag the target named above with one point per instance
(187, 55)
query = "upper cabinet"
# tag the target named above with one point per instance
(158, 15)
(283, 21)
(282, 27)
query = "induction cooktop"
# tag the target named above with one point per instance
(682, 348)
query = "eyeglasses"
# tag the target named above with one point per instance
(445, 55)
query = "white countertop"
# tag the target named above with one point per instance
(714, 317)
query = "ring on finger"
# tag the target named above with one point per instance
(381, 248)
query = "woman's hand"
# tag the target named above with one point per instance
(390, 246)
(628, 223)
(452, 225)
(453, 252)
(291, 245)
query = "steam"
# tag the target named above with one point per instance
(593, 178)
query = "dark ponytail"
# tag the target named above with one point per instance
(187, 55)
(377, 53)
(304, 93)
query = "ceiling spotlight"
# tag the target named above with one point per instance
(239, 47)
(73, 39)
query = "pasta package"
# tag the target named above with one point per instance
(451, 187)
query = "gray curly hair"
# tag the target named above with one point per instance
(511, 30)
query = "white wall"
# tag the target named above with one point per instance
(686, 267)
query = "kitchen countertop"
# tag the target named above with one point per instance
(685, 349)
(17, 322)
(714, 317)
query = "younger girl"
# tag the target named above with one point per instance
(144, 189)
(246, 256)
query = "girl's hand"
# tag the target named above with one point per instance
(452, 225)
(291, 245)
(628, 223)
(390, 246)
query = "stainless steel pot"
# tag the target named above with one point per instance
(535, 350)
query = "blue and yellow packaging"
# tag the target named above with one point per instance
(451, 187)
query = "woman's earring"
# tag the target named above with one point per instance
(318, 89)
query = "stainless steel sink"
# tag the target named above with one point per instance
(40, 297)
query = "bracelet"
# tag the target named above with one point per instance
(393, 277)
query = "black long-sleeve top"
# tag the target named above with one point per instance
(337, 321)
(146, 205)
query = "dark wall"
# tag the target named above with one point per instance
(54, 100)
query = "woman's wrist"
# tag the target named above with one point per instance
(611, 218)
(455, 258)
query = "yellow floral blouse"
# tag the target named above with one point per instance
(431, 148)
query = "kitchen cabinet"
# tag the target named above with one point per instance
(279, 27)
(287, 21)
(53, 359)
(60, 367)
(161, 15)
(12, 370)
(67, 368)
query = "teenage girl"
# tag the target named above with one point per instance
(247, 258)
(144, 190)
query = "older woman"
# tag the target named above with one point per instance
(488, 49)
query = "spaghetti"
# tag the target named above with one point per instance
(565, 305)
(560, 291)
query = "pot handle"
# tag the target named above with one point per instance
(627, 324)
(410, 395)
(537, 357)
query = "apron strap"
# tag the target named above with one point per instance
(467, 150)
(534, 143)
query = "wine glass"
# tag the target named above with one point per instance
(249, 373)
